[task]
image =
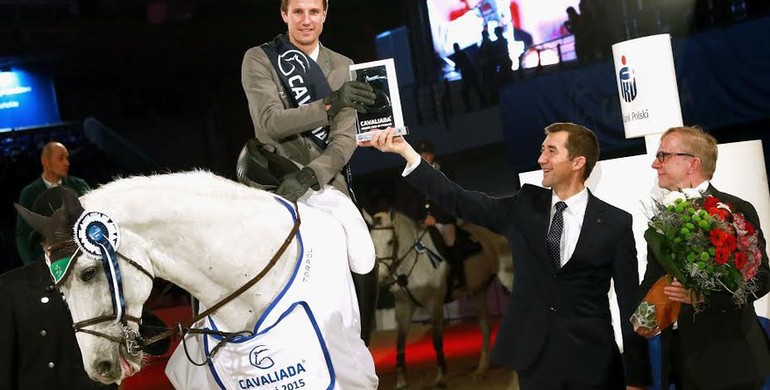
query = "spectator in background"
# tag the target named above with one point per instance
(38, 349)
(576, 26)
(487, 66)
(501, 57)
(55, 161)
(470, 76)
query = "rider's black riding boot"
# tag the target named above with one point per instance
(367, 290)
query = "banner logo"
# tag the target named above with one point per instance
(627, 81)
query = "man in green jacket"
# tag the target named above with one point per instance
(55, 162)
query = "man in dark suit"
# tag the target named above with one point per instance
(723, 346)
(55, 161)
(38, 349)
(557, 331)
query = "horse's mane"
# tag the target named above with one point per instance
(198, 182)
(138, 197)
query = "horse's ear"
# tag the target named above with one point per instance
(36, 221)
(367, 218)
(71, 204)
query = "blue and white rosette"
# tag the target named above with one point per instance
(98, 236)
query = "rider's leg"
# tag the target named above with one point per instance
(361, 256)
(367, 291)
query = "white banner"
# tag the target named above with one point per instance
(649, 97)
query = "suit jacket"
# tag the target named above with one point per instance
(30, 251)
(724, 344)
(564, 309)
(278, 125)
(38, 349)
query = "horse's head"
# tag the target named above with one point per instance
(386, 244)
(81, 251)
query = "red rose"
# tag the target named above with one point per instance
(749, 228)
(740, 260)
(718, 237)
(721, 256)
(710, 203)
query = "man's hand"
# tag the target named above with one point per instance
(295, 184)
(353, 94)
(387, 141)
(676, 292)
(429, 220)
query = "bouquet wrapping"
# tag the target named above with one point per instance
(705, 245)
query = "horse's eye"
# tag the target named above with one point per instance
(88, 274)
(390, 242)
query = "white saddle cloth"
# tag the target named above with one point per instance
(307, 338)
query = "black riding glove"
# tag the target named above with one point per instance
(353, 94)
(295, 184)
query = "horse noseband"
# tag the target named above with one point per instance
(402, 280)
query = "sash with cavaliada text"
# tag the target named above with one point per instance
(304, 82)
(302, 79)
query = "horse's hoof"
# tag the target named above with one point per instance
(440, 385)
(402, 387)
(479, 375)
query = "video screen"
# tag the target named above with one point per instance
(523, 23)
(27, 99)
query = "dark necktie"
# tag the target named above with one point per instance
(554, 234)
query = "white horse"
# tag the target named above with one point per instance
(416, 281)
(210, 236)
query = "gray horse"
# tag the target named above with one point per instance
(404, 252)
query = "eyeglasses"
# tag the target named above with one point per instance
(662, 156)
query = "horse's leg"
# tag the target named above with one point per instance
(514, 383)
(437, 327)
(404, 311)
(480, 302)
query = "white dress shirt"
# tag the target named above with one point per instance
(573, 222)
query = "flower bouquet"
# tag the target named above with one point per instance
(706, 246)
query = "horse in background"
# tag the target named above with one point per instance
(209, 236)
(403, 249)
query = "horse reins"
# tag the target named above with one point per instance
(393, 267)
(133, 340)
(180, 329)
(402, 279)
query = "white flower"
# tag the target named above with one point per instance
(723, 206)
(670, 198)
(691, 193)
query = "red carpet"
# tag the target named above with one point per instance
(461, 340)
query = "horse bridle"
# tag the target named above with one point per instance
(396, 261)
(131, 338)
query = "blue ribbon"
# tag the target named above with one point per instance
(434, 258)
(97, 234)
